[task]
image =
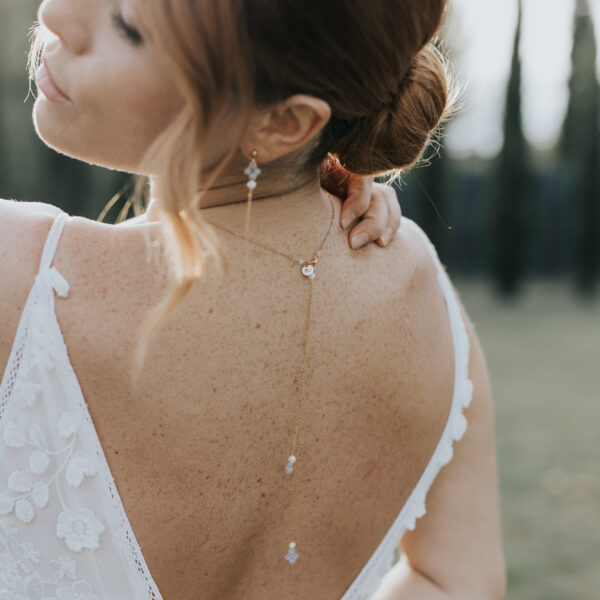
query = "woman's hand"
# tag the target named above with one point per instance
(370, 211)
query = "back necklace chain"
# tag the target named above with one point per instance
(308, 271)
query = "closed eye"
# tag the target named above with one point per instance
(126, 31)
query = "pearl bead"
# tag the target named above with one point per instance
(292, 459)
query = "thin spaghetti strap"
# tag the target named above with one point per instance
(46, 272)
(52, 241)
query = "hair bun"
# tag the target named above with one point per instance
(396, 134)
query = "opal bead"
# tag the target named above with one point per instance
(292, 555)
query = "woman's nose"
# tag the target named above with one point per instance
(64, 18)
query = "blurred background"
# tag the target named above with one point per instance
(511, 201)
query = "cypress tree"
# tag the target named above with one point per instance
(579, 149)
(511, 199)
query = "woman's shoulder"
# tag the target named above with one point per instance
(411, 240)
(19, 209)
(409, 270)
(425, 287)
(24, 227)
(403, 323)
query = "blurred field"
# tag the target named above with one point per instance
(543, 353)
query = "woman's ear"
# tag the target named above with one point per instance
(287, 126)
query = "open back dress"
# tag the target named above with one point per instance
(64, 533)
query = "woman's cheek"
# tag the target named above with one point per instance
(116, 113)
(142, 110)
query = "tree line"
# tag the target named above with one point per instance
(526, 212)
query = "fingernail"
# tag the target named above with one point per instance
(386, 236)
(358, 240)
(348, 219)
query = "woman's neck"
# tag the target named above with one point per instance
(288, 219)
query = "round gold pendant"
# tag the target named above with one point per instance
(308, 270)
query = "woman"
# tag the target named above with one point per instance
(290, 421)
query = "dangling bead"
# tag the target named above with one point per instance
(290, 466)
(292, 555)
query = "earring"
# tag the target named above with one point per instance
(253, 172)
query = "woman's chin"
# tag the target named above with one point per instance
(67, 134)
(47, 125)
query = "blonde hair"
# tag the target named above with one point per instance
(376, 64)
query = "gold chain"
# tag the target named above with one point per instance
(291, 258)
(308, 271)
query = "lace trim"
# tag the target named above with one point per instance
(369, 578)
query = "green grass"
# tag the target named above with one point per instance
(543, 354)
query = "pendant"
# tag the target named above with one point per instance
(308, 271)
(308, 268)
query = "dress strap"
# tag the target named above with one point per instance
(52, 240)
(57, 281)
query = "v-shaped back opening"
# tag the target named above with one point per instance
(49, 280)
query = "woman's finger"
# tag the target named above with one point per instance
(360, 189)
(357, 193)
(394, 216)
(373, 223)
(354, 190)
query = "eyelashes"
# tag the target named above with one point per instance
(126, 31)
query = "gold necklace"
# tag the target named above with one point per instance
(308, 270)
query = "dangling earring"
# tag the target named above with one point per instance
(253, 172)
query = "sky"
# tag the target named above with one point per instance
(484, 31)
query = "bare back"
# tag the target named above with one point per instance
(198, 449)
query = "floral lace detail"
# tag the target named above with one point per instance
(76, 465)
(20, 577)
(79, 528)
